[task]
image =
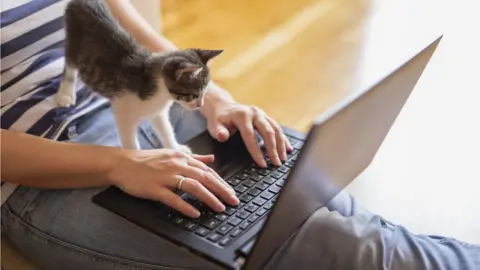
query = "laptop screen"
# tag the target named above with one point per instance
(340, 145)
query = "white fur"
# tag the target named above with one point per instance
(66, 95)
(130, 111)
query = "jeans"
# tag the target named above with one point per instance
(63, 229)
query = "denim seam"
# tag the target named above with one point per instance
(100, 257)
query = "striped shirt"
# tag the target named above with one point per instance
(32, 59)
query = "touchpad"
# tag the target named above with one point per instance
(230, 156)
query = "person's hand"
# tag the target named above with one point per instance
(227, 117)
(155, 174)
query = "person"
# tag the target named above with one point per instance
(54, 160)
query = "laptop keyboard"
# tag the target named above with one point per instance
(256, 188)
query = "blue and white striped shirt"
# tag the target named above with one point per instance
(32, 59)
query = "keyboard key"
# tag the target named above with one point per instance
(225, 241)
(276, 175)
(221, 217)
(254, 192)
(230, 211)
(234, 221)
(261, 186)
(259, 201)
(261, 211)
(179, 221)
(269, 180)
(280, 183)
(268, 205)
(274, 189)
(248, 183)
(234, 181)
(214, 237)
(290, 163)
(190, 226)
(209, 223)
(267, 195)
(251, 208)
(274, 199)
(294, 158)
(264, 172)
(224, 229)
(240, 205)
(285, 176)
(298, 144)
(256, 177)
(244, 224)
(242, 214)
(240, 188)
(242, 176)
(283, 169)
(252, 218)
(250, 170)
(245, 198)
(236, 232)
(201, 231)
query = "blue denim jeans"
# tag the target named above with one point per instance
(63, 229)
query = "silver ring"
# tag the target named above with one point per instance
(180, 182)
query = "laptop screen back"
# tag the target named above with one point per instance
(340, 145)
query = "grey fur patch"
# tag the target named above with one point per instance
(110, 61)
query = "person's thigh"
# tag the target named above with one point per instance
(331, 240)
(63, 229)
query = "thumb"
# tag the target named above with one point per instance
(218, 131)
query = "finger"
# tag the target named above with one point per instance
(196, 188)
(288, 144)
(174, 201)
(195, 170)
(280, 137)
(268, 134)
(207, 169)
(219, 131)
(207, 159)
(250, 139)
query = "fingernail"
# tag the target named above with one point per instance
(234, 199)
(196, 214)
(220, 207)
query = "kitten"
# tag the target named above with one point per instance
(140, 85)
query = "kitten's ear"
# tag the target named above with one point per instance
(207, 55)
(188, 69)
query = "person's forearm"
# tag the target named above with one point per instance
(133, 22)
(146, 35)
(37, 162)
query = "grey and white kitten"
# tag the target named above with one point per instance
(140, 85)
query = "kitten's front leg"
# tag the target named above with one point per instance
(127, 125)
(163, 127)
(66, 95)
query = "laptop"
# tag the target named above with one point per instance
(275, 201)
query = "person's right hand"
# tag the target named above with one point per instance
(154, 174)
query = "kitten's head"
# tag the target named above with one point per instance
(186, 75)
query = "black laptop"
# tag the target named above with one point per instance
(276, 201)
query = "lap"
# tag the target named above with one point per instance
(358, 239)
(55, 227)
(63, 227)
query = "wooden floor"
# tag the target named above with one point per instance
(295, 59)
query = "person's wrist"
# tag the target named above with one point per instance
(215, 98)
(118, 160)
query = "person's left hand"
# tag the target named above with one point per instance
(227, 117)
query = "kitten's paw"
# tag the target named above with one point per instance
(65, 100)
(185, 149)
